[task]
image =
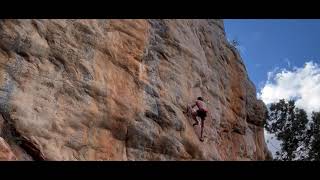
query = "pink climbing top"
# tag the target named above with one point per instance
(201, 105)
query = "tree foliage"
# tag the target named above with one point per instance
(300, 139)
(314, 137)
(235, 42)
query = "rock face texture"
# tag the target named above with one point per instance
(118, 89)
(5, 151)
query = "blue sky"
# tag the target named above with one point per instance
(267, 44)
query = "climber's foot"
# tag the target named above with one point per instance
(201, 139)
(195, 124)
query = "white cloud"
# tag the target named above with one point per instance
(271, 73)
(287, 61)
(260, 85)
(301, 84)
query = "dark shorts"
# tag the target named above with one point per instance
(202, 114)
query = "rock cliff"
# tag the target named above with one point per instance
(118, 89)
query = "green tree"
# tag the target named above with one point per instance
(314, 137)
(235, 42)
(299, 130)
(289, 124)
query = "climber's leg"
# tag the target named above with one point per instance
(202, 126)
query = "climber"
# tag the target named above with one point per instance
(201, 112)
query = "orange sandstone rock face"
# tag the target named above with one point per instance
(117, 90)
(6, 152)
